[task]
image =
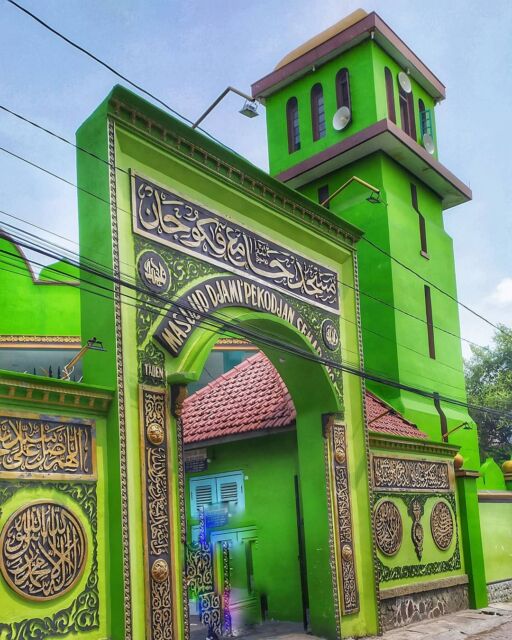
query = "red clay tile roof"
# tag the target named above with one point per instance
(253, 397)
(249, 397)
(387, 420)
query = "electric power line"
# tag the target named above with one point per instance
(344, 347)
(292, 349)
(169, 108)
(110, 68)
(106, 201)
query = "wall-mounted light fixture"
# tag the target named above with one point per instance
(250, 108)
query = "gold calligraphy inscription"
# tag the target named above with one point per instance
(43, 549)
(441, 525)
(157, 512)
(43, 448)
(169, 219)
(399, 474)
(388, 528)
(350, 591)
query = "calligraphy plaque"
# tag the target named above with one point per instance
(441, 525)
(388, 528)
(157, 512)
(330, 334)
(169, 219)
(41, 449)
(43, 548)
(154, 272)
(224, 291)
(409, 474)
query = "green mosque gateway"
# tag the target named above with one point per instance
(247, 402)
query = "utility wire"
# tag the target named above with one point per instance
(169, 108)
(375, 246)
(109, 271)
(129, 213)
(499, 328)
(77, 257)
(137, 304)
(117, 73)
(283, 346)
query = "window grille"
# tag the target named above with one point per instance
(292, 121)
(206, 491)
(343, 89)
(318, 112)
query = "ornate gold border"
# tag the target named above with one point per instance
(120, 385)
(154, 439)
(343, 510)
(40, 342)
(84, 561)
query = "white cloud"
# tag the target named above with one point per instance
(502, 294)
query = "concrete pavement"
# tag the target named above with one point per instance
(492, 623)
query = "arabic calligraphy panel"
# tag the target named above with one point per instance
(397, 474)
(169, 219)
(35, 449)
(43, 549)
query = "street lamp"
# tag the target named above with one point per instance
(250, 108)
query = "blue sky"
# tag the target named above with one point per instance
(188, 52)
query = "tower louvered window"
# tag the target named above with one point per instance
(292, 122)
(318, 112)
(407, 112)
(343, 89)
(390, 95)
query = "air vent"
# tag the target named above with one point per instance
(203, 495)
(229, 492)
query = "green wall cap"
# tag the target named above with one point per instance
(401, 443)
(29, 389)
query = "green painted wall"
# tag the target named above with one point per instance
(358, 61)
(366, 64)
(37, 306)
(444, 561)
(269, 465)
(393, 312)
(16, 609)
(182, 167)
(496, 520)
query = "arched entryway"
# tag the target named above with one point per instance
(314, 397)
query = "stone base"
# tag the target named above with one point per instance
(402, 610)
(500, 591)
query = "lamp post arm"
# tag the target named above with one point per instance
(343, 186)
(216, 102)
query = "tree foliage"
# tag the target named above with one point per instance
(489, 383)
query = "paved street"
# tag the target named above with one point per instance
(492, 623)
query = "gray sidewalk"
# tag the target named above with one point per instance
(492, 623)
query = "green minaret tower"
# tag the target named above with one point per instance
(356, 101)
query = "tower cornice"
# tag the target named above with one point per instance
(387, 137)
(370, 26)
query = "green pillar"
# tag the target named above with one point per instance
(310, 447)
(472, 538)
